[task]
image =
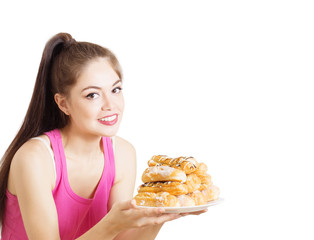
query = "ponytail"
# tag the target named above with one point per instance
(35, 121)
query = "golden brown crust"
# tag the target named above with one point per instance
(201, 169)
(186, 201)
(174, 188)
(198, 197)
(193, 182)
(163, 174)
(211, 193)
(161, 199)
(205, 179)
(204, 186)
(187, 164)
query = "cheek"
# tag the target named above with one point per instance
(84, 110)
(121, 104)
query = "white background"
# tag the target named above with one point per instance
(228, 82)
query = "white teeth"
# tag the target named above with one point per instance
(108, 119)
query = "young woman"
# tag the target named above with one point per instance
(66, 175)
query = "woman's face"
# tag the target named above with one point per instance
(95, 103)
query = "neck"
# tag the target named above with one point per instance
(80, 145)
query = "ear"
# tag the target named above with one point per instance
(62, 103)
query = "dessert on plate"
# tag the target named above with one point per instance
(175, 182)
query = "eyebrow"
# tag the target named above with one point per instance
(96, 87)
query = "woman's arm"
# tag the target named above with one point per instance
(30, 179)
(123, 189)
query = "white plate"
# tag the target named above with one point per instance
(189, 209)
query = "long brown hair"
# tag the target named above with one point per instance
(62, 61)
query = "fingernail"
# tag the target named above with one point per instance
(161, 210)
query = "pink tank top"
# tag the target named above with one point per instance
(76, 214)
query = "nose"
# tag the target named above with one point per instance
(107, 104)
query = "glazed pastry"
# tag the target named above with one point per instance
(205, 179)
(161, 199)
(193, 182)
(174, 188)
(204, 186)
(211, 193)
(186, 201)
(198, 197)
(201, 169)
(163, 174)
(187, 164)
(175, 182)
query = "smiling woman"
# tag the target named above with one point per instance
(61, 177)
(95, 98)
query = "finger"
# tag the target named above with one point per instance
(161, 219)
(133, 203)
(168, 217)
(199, 212)
(194, 213)
(128, 204)
(147, 212)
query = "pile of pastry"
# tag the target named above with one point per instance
(175, 182)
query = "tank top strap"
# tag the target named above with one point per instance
(109, 160)
(54, 137)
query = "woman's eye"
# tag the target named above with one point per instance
(92, 95)
(117, 90)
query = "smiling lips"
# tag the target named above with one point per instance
(109, 120)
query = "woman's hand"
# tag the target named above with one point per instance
(125, 215)
(193, 213)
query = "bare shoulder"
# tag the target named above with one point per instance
(31, 159)
(125, 162)
(123, 146)
(125, 157)
(33, 150)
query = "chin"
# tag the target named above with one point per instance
(109, 132)
(102, 130)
